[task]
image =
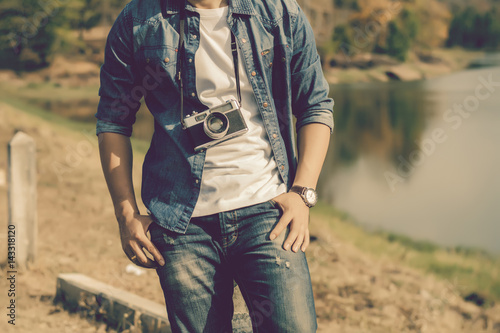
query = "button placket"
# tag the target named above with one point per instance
(275, 143)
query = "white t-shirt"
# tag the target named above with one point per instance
(241, 171)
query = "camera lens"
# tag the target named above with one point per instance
(216, 125)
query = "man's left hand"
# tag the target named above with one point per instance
(295, 213)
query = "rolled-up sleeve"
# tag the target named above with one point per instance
(310, 101)
(119, 101)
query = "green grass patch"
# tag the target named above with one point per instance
(448, 270)
(417, 245)
(50, 91)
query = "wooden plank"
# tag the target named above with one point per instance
(121, 309)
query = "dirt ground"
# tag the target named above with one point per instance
(354, 292)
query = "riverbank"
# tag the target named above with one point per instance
(363, 282)
(374, 68)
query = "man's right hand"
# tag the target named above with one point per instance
(133, 234)
(116, 159)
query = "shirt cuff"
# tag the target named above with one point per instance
(317, 116)
(106, 126)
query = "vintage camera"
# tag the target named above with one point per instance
(217, 124)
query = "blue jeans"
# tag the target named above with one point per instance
(197, 278)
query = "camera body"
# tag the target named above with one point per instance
(217, 124)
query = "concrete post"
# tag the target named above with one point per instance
(22, 179)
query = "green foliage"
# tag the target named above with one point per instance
(341, 34)
(341, 37)
(401, 34)
(24, 25)
(28, 31)
(417, 245)
(352, 4)
(449, 271)
(32, 30)
(410, 22)
(470, 251)
(474, 30)
(82, 14)
(370, 33)
(398, 41)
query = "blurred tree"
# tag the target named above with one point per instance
(90, 15)
(32, 30)
(461, 28)
(341, 36)
(398, 42)
(410, 22)
(434, 17)
(424, 23)
(82, 14)
(26, 33)
(493, 32)
(475, 30)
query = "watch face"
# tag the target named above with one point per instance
(311, 196)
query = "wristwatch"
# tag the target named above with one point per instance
(307, 194)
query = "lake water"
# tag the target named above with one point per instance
(420, 158)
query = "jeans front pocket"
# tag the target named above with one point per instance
(161, 237)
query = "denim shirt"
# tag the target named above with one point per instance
(278, 49)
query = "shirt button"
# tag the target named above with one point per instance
(197, 181)
(265, 104)
(283, 59)
(166, 59)
(190, 59)
(243, 40)
(275, 136)
(253, 73)
(193, 94)
(194, 36)
(282, 167)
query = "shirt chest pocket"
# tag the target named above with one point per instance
(158, 62)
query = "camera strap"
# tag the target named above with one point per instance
(234, 50)
(181, 54)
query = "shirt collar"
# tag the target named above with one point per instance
(243, 7)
